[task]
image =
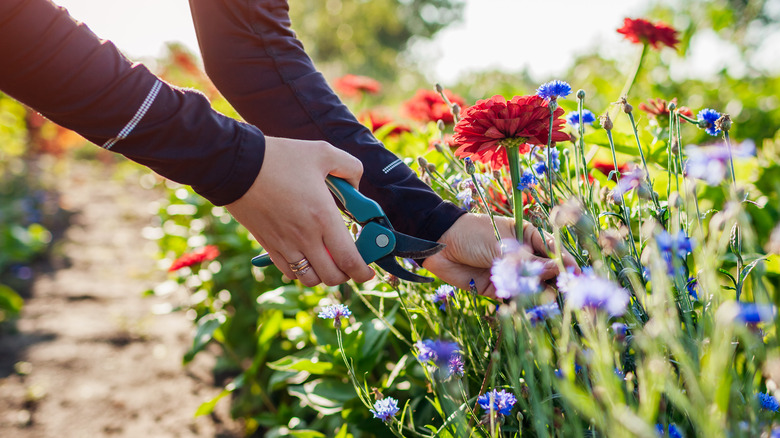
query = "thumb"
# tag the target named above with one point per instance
(344, 165)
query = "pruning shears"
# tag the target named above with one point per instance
(377, 242)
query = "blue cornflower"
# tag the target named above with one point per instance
(500, 402)
(514, 274)
(442, 294)
(674, 431)
(456, 365)
(527, 180)
(466, 199)
(541, 166)
(553, 90)
(439, 353)
(543, 312)
(711, 163)
(587, 117)
(620, 330)
(753, 313)
(707, 118)
(693, 286)
(589, 291)
(385, 409)
(335, 312)
(674, 246)
(768, 402)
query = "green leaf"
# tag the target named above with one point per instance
(205, 332)
(207, 407)
(10, 302)
(306, 434)
(305, 361)
(325, 396)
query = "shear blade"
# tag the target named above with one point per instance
(414, 248)
(389, 264)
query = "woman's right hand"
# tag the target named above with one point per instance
(291, 212)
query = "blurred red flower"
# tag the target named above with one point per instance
(446, 141)
(644, 32)
(376, 120)
(209, 252)
(606, 167)
(428, 106)
(482, 127)
(660, 108)
(353, 85)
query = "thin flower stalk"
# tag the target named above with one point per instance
(513, 154)
(623, 208)
(642, 156)
(488, 210)
(550, 174)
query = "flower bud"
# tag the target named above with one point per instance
(723, 123)
(497, 175)
(440, 125)
(455, 109)
(422, 162)
(431, 167)
(580, 94)
(606, 122)
(553, 105)
(439, 88)
(675, 146)
(437, 146)
(627, 108)
(672, 106)
(393, 281)
(470, 167)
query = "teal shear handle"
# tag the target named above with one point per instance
(361, 208)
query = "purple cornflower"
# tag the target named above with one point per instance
(442, 294)
(553, 90)
(527, 180)
(456, 365)
(711, 163)
(541, 166)
(385, 409)
(707, 118)
(335, 312)
(500, 402)
(587, 117)
(543, 312)
(514, 274)
(588, 290)
(674, 246)
(465, 198)
(628, 181)
(768, 402)
(753, 313)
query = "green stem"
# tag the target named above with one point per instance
(623, 209)
(478, 188)
(549, 156)
(513, 153)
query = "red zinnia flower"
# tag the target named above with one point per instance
(376, 121)
(428, 106)
(483, 126)
(644, 32)
(354, 85)
(209, 252)
(659, 108)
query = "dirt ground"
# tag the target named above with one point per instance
(92, 356)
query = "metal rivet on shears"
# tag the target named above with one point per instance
(382, 240)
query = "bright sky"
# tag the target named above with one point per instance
(507, 34)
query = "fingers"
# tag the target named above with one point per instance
(345, 166)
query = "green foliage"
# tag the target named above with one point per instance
(365, 37)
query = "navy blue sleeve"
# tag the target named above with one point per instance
(253, 57)
(58, 67)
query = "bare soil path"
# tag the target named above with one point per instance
(91, 357)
